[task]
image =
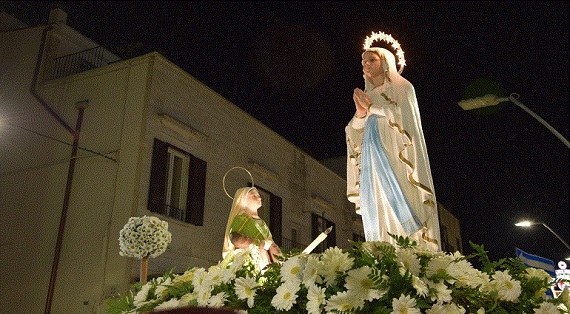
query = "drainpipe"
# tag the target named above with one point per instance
(81, 105)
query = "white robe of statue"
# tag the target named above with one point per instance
(395, 110)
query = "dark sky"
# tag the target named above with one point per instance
(293, 66)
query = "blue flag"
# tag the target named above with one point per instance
(536, 261)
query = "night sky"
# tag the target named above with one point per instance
(293, 66)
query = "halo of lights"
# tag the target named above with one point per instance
(376, 36)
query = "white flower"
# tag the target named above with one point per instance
(420, 286)
(450, 308)
(316, 298)
(170, 304)
(467, 275)
(334, 261)
(547, 308)
(286, 296)
(507, 288)
(439, 292)
(245, 289)
(404, 305)
(218, 300)
(142, 295)
(438, 266)
(144, 236)
(358, 282)
(310, 272)
(217, 275)
(344, 302)
(292, 269)
(409, 261)
(537, 273)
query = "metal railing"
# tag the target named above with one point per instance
(79, 62)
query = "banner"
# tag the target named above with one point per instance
(536, 261)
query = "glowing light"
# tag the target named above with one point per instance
(390, 40)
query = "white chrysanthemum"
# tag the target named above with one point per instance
(161, 290)
(186, 299)
(547, 308)
(200, 275)
(467, 275)
(218, 300)
(217, 275)
(439, 292)
(170, 304)
(187, 276)
(203, 295)
(316, 298)
(481, 310)
(378, 248)
(449, 308)
(420, 286)
(344, 302)
(427, 253)
(312, 265)
(334, 261)
(404, 305)
(540, 274)
(438, 266)
(142, 295)
(144, 236)
(292, 269)
(507, 288)
(409, 261)
(358, 282)
(286, 296)
(245, 289)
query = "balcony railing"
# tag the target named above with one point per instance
(80, 62)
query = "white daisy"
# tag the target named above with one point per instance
(286, 296)
(142, 295)
(315, 297)
(344, 302)
(170, 304)
(358, 282)
(507, 288)
(420, 286)
(311, 270)
(218, 300)
(537, 273)
(439, 292)
(409, 261)
(404, 305)
(334, 261)
(438, 266)
(450, 308)
(292, 269)
(245, 289)
(547, 308)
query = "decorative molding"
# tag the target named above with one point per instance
(181, 128)
(263, 172)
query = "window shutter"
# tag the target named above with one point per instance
(157, 177)
(196, 191)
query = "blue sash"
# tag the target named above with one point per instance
(375, 163)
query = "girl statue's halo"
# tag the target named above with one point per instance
(390, 40)
(224, 179)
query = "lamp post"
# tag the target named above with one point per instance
(527, 223)
(493, 100)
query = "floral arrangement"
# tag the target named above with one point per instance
(144, 236)
(371, 277)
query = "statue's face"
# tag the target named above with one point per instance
(253, 199)
(371, 64)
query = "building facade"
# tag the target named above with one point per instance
(88, 140)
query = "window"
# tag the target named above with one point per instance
(320, 224)
(177, 184)
(270, 212)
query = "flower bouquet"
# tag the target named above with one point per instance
(371, 277)
(144, 237)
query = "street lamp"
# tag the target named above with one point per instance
(527, 223)
(493, 100)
